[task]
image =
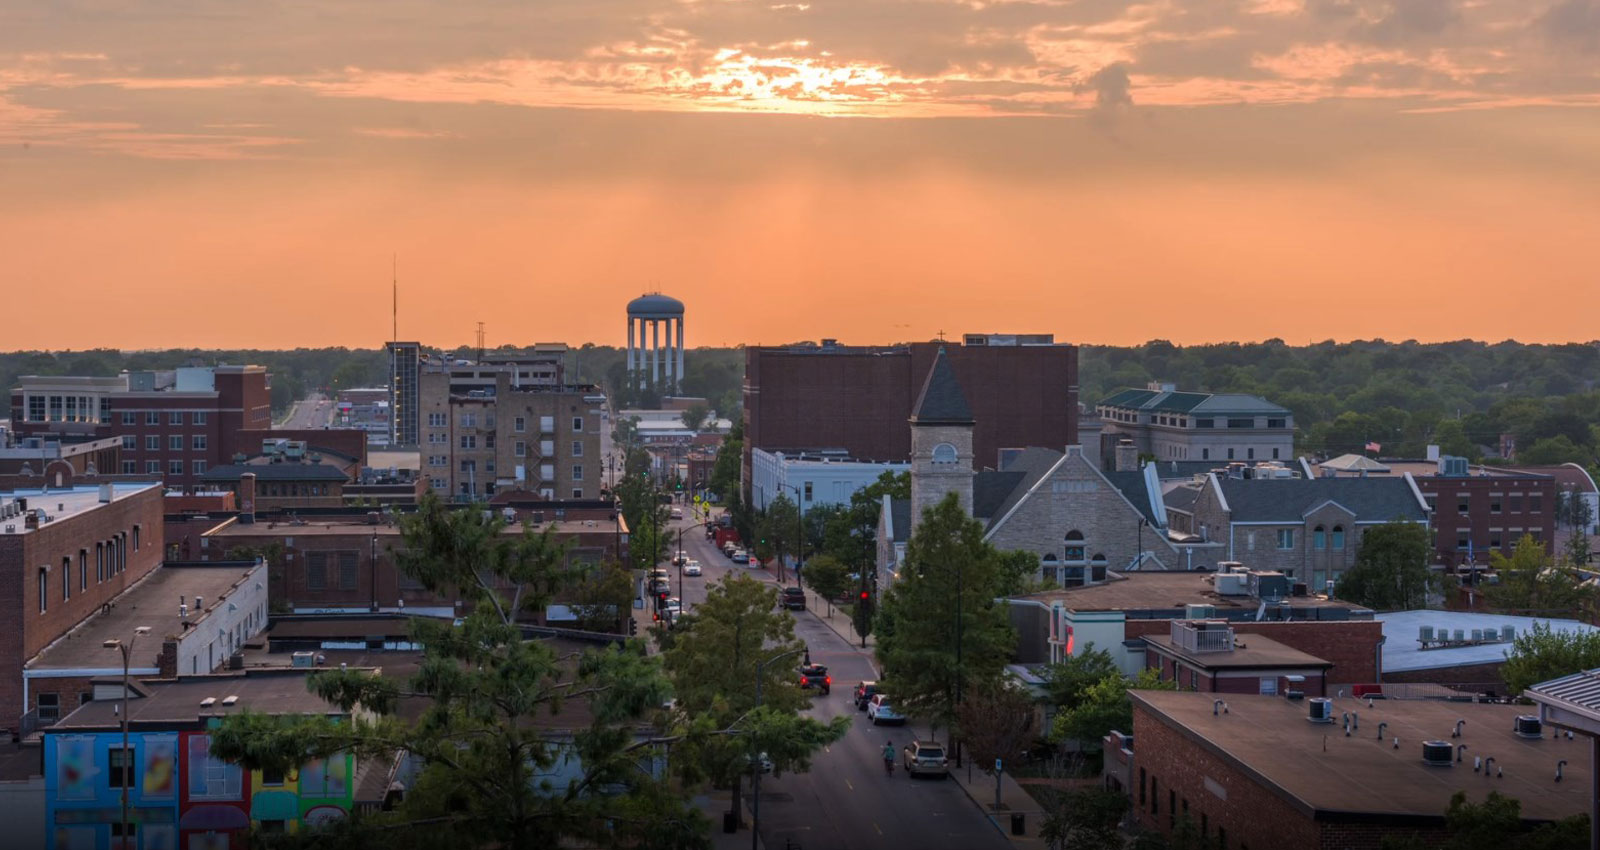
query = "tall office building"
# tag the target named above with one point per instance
(404, 358)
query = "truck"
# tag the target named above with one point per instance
(722, 534)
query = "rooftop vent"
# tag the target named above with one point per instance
(1528, 726)
(230, 699)
(1320, 710)
(208, 702)
(1438, 753)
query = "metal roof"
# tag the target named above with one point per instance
(655, 306)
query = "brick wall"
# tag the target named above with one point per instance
(1351, 645)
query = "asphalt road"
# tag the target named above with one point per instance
(845, 802)
(314, 411)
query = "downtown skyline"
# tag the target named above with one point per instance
(871, 171)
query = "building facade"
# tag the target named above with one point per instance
(818, 478)
(1172, 425)
(480, 440)
(858, 399)
(404, 362)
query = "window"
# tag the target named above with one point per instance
(152, 467)
(152, 417)
(348, 570)
(198, 442)
(547, 424)
(1230, 454)
(175, 467)
(1241, 423)
(1250, 453)
(577, 423)
(83, 569)
(469, 420)
(198, 417)
(1535, 503)
(469, 466)
(1433, 502)
(1516, 503)
(488, 440)
(577, 472)
(130, 467)
(129, 442)
(1496, 538)
(547, 472)
(176, 418)
(1205, 454)
(1463, 540)
(44, 589)
(1274, 454)
(1494, 503)
(547, 447)
(436, 420)
(152, 443)
(317, 571)
(116, 830)
(1141, 787)
(1319, 538)
(1463, 503)
(1205, 423)
(944, 453)
(1277, 423)
(1285, 538)
(211, 778)
(1269, 686)
(519, 448)
(72, 408)
(577, 448)
(808, 491)
(519, 424)
(175, 442)
(36, 408)
(1338, 538)
(99, 562)
(49, 708)
(121, 775)
(469, 441)
(577, 492)
(199, 468)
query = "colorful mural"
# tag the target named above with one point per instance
(83, 792)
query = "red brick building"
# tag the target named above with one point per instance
(1261, 774)
(176, 424)
(64, 554)
(1023, 391)
(1207, 656)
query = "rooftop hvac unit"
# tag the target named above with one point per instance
(1528, 726)
(208, 702)
(230, 699)
(1197, 611)
(1508, 633)
(1452, 466)
(1438, 753)
(1268, 584)
(1319, 710)
(303, 659)
(1232, 584)
(1425, 633)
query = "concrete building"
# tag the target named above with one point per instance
(858, 399)
(199, 615)
(655, 360)
(483, 436)
(1475, 510)
(1265, 774)
(405, 360)
(819, 478)
(55, 461)
(1172, 425)
(64, 556)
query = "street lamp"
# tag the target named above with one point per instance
(755, 806)
(127, 754)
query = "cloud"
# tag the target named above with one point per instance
(1573, 24)
(1110, 87)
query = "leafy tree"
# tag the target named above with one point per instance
(828, 578)
(1391, 569)
(778, 527)
(1529, 581)
(601, 596)
(1553, 450)
(1085, 819)
(695, 416)
(996, 721)
(725, 471)
(714, 668)
(939, 628)
(483, 760)
(649, 537)
(1018, 571)
(1105, 706)
(1542, 654)
(1574, 513)
(1496, 824)
(1067, 682)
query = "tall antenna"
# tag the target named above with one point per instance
(394, 271)
(480, 341)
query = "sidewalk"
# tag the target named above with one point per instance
(1013, 799)
(837, 620)
(713, 805)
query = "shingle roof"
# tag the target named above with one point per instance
(900, 515)
(1288, 500)
(1182, 402)
(990, 488)
(1031, 465)
(1181, 498)
(276, 472)
(1132, 486)
(941, 401)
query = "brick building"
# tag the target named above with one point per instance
(1262, 775)
(49, 458)
(486, 429)
(1207, 656)
(1022, 391)
(176, 424)
(64, 555)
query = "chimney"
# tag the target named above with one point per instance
(1127, 458)
(247, 498)
(105, 493)
(1433, 453)
(199, 604)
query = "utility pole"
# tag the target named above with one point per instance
(127, 753)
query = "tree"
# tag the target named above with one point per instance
(1391, 569)
(996, 721)
(1018, 571)
(1542, 654)
(649, 537)
(1105, 706)
(1084, 819)
(1530, 582)
(1067, 682)
(714, 668)
(778, 527)
(601, 596)
(829, 578)
(483, 759)
(725, 471)
(939, 628)
(694, 418)
(1553, 450)
(1574, 512)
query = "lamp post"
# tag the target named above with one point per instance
(127, 755)
(755, 803)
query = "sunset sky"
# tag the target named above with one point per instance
(228, 174)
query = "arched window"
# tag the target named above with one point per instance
(1319, 538)
(1097, 567)
(1338, 537)
(944, 453)
(1074, 547)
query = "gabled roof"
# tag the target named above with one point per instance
(941, 401)
(900, 519)
(1354, 463)
(1132, 485)
(991, 488)
(1288, 499)
(1026, 470)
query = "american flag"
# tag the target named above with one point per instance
(1374, 448)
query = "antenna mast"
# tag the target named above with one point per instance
(394, 280)
(480, 341)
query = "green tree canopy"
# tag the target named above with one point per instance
(1105, 706)
(1530, 582)
(1067, 682)
(1391, 569)
(1542, 654)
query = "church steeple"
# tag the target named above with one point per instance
(942, 402)
(941, 441)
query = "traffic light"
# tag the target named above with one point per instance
(865, 596)
(633, 627)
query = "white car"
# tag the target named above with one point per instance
(692, 568)
(879, 711)
(673, 607)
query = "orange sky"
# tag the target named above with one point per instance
(871, 170)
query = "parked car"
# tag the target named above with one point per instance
(660, 585)
(673, 607)
(740, 556)
(816, 676)
(863, 694)
(692, 568)
(879, 711)
(925, 757)
(677, 513)
(792, 598)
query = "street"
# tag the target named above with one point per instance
(313, 411)
(845, 801)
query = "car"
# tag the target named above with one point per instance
(660, 585)
(879, 711)
(762, 762)
(863, 694)
(692, 568)
(672, 607)
(677, 513)
(660, 572)
(792, 598)
(740, 556)
(815, 676)
(926, 758)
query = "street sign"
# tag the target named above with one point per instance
(996, 765)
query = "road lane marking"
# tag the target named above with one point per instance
(848, 785)
(878, 828)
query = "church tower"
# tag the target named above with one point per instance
(941, 442)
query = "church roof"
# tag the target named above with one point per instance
(941, 401)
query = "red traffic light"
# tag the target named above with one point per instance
(863, 596)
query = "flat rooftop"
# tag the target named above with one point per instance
(1142, 591)
(152, 602)
(1317, 769)
(1249, 652)
(1430, 469)
(64, 503)
(315, 527)
(1402, 650)
(177, 701)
